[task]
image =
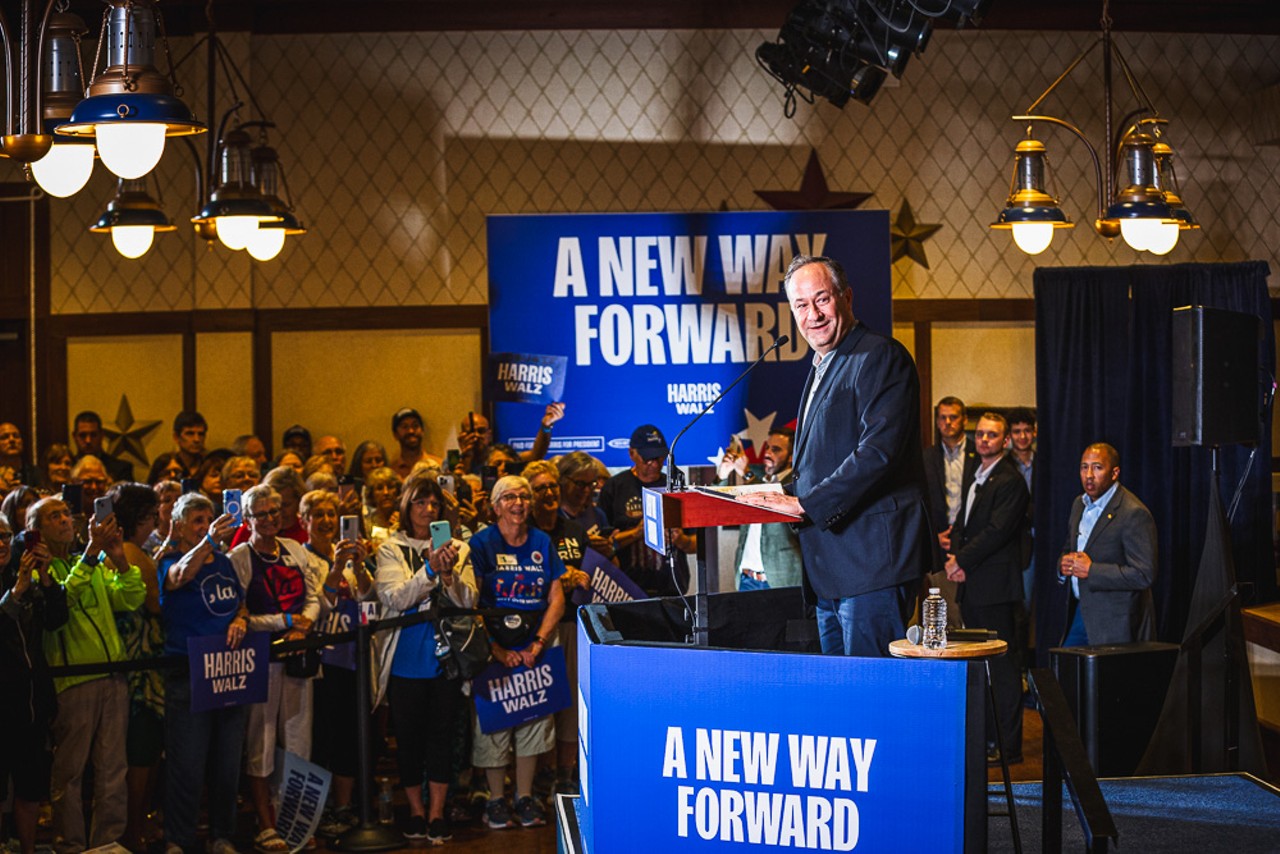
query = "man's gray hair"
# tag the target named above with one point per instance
(835, 272)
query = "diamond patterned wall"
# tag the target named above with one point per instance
(397, 146)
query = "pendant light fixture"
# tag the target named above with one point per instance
(66, 168)
(132, 218)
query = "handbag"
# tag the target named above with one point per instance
(303, 664)
(462, 644)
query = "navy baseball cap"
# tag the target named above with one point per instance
(648, 442)
(297, 431)
(407, 412)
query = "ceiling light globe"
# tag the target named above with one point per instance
(64, 170)
(130, 150)
(132, 241)
(236, 231)
(1033, 237)
(1166, 237)
(1139, 232)
(266, 243)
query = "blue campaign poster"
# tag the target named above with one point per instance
(507, 696)
(608, 583)
(222, 677)
(658, 313)
(729, 750)
(526, 377)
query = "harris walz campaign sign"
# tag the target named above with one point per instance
(657, 313)
(222, 677)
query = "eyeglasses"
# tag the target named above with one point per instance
(273, 513)
(6, 536)
(513, 497)
(583, 482)
(547, 487)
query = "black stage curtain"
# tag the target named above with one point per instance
(1104, 373)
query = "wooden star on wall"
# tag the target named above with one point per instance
(128, 435)
(907, 237)
(813, 194)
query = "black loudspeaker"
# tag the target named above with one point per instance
(1216, 395)
(1116, 693)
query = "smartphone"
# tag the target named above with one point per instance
(73, 497)
(233, 503)
(349, 528)
(190, 484)
(30, 539)
(102, 508)
(452, 458)
(446, 482)
(441, 534)
(488, 477)
(471, 421)
(346, 486)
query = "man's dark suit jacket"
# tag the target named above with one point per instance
(986, 541)
(935, 477)
(1116, 597)
(858, 470)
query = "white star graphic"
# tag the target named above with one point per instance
(757, 432)
(715, 458)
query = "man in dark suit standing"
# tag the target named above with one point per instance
(985, 560)
(859, 476)
(948, 470)
(1109, 558)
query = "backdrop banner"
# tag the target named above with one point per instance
(657, 313)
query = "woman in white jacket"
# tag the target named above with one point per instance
(424, 702)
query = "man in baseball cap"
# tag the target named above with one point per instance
(620, 499)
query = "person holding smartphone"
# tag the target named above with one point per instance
(423, 700)
(201, 595)
(30, 604)
(282, 596)
(93, 709)
(338, 559)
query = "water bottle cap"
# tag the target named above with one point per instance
(934, 591)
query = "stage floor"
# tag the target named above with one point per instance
(1235, 813)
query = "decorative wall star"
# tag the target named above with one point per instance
(907, 237)
(128, 435)
(813, 194)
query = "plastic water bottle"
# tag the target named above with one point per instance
(934, 618)
(386, 815)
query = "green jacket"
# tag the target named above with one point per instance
(94, 593)
(780, 552)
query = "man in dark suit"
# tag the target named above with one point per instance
(1109, 558)
(985, 560)
(948, 468)
(859, 476)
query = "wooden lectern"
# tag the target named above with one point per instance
(692, 509)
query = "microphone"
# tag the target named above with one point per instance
(675, 478)
(915, 635)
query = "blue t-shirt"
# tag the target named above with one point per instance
(415, 655)
(203, 606)
(517, 577)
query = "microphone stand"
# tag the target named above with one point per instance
(676, 483)
(675, 477)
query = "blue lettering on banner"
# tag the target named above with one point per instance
(526, 377)
(608, 583)
(342, 618)
(222, 677)
(509, 696)
(656, 314)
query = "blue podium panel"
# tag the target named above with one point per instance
(685, 749)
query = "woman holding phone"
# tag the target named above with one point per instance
(338, 559)
(282, 596)
(30, 604)
(423, 700)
